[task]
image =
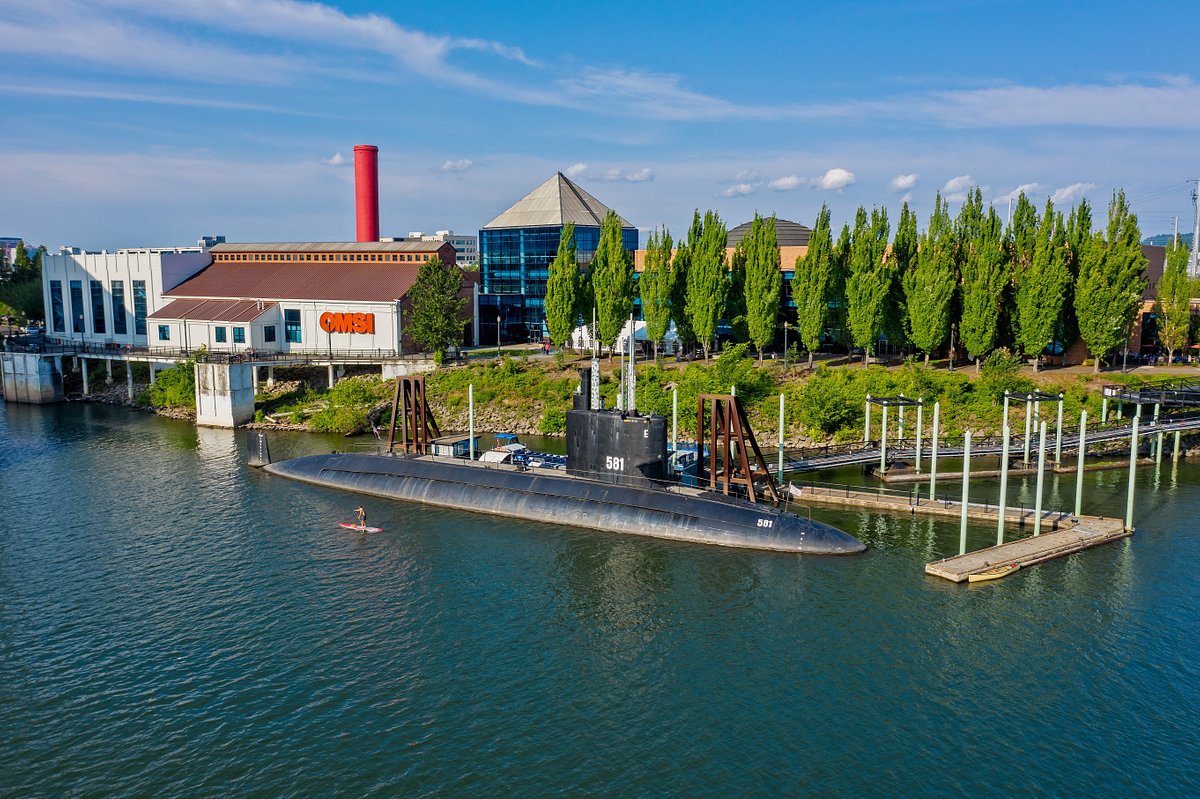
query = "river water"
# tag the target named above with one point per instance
(175, 623)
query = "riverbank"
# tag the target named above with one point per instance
(531, 395)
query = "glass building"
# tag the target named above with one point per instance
(516, 250)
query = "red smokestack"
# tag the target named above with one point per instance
(366, 191)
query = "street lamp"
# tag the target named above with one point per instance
(953, 330)
(497, 335)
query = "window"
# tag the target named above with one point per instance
(76, 306)
(239, 335)
(97, 307)
(118, 307)
(139, 307)
(56, 307)
(164, 332)
(291, 325)
(219, 334)
(269, 334)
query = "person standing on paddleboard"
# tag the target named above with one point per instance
(362, 516)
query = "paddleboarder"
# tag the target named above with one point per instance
(362, 516)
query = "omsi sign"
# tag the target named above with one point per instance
(348, 322)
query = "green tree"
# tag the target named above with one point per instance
(870, 279)
(6, 272)
(839, 264)
(735, 295)
(1041, 286)
(22, 264)
(1174, 301)
(929, 285)
(681, 268)
(434, 321)
(654, 286)
(562, 285)
(903, 260)
(707, 282)
(612, 281)
(764, 282)
(1111, 280)
(983, 263)
(812, 285)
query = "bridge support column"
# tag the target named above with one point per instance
(933, 444)
(254, 378)
(108, 372)
(331, 378)
(153, 370)
(1133, 453)
(1082, 458)
(86, 388)
(1041, 479)
(224, 395)
(966, 494)
(30, 377)
(1003, 487)
(129, 379)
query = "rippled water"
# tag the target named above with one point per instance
(174, 623)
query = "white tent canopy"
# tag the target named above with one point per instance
(581, 338)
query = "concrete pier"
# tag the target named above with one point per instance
(31, 377)
(224, 394)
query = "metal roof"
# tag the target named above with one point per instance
(330, 246)
(787, 234)
(352, 281)
(555, 202)
(214, 310)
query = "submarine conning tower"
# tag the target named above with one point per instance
(619, 447)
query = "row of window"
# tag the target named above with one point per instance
(116, 288)
(337, 256)
(220, 333)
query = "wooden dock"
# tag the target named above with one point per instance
(1062, 533)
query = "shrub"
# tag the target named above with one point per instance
(553, 422)
(175, 387)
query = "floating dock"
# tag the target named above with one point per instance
(1062, 533)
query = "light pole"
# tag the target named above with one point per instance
(497, 335)
(953, 330)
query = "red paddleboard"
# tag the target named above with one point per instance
(360, 528)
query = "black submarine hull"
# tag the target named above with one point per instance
(678, 515)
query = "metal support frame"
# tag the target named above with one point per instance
(729, 431)
(411, 410)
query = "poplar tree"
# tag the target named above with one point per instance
(903, 260)
(1041, 286)
(1174, 301)
(929, 285)
(706, 280)
(654, 286)
(1111, 280)
(681, 267)
(735, 296)
(985, 272)
(22, 265)
(612, 282)
(812, 285)
(764, 283)
(434, 321)
(562, 284)
(839, 264)
(869, 280)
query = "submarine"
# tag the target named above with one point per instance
(618, 476)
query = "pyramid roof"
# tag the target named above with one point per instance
(555, 202)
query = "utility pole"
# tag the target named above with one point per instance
(1194, 261)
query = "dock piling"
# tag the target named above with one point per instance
(867, 423)
(1133, 453)
(471, 420)
(966, 493)
(1175, 453)
(937, 410)
(920, 413)
(675, 419)
(1003, 486)
(1028, 426)
(1103, 410)
(1082, 456)
(781, 437)
(1058, 434)
(1005, 409)
(900, 420)
(1158, 443)
(883, 443)
(1041, 476)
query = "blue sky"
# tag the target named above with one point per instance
(142, 122)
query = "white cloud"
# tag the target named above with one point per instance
(836, 178)
(617, 174)
(459, 165)
(907, 198)
(957, 185)
(1068, 193)
(904, 182)
(337, 159)
(786, 183)
(575, 170)
(739, 190)
(746, 175)
(1028, 189)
